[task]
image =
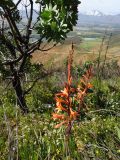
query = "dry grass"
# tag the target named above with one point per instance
(56, 57)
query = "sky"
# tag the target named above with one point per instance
(105, 6)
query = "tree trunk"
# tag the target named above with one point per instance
(19, 93)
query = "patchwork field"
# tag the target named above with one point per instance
(87, 45)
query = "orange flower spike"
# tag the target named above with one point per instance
(64, 99)
(73, 114)
(69, 73)
(70, 81)
(60, 100)
(58, 116)
(59, 107)
(70, 60)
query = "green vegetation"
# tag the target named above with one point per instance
(95, 135)
(88, 126)
(36, 138)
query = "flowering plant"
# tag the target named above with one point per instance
(66, 111)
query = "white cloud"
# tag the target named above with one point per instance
(106, 6)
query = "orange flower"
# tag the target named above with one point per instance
(60, 124)
(72, 90)
(60, 100)
(73, 114)
(89, 85)
(64, 93)
(58, 116)
(60, 107)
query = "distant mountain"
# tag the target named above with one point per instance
(94, 17)
(98, 18)
(94, 13)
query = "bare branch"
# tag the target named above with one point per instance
(16, 5)
(48, 48)
(35, 46)
(28, 31)
(21, 68)
(14, 29)
(29, 89)
(13, 24)
(43, 50)
(26, 11)
(36, 80)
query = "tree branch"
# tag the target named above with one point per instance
(48, 48)
(18, 2)
(28, 31)
(14, 29)
(36, 46)
(29, 89)
(12, 21)
(35, 81)
(9, 62)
